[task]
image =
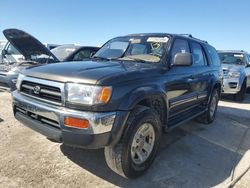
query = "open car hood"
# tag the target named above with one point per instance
(26, 44)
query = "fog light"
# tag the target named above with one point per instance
(76, 122)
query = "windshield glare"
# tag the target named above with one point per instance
(62, 52)
(232, 58)
(149, 49)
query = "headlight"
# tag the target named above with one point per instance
(19, 81)
(87, 94)
(234, 74)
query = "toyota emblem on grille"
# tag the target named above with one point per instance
(36, 90)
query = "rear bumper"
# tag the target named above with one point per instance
(105, 128)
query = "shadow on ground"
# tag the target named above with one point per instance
(230, 98)
(195, 155)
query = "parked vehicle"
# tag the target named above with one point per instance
(71, 52)
(9, 54)
(134, 88)
(236, 68)
(34, 53)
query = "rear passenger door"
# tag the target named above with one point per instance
(201, 72)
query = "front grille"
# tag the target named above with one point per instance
(41, 91)
(37, 117)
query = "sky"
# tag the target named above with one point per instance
(223, 23)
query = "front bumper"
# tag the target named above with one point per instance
(105, 127)
(231, 85)
(8, 81)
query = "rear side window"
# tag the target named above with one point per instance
(179, 46)
(198, 55)
(213, 55)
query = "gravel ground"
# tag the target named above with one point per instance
(194, 155)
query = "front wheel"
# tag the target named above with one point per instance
(240, 96)
(136, 150)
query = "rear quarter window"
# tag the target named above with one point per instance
(213, 55)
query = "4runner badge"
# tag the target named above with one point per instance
(36, 90)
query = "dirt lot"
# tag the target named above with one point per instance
(195, 155)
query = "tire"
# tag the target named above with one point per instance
(240, 96)
(209, 116)
(121, 158)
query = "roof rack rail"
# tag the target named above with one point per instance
(191, 36)
(188, 35)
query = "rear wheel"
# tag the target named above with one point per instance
(136, 150)
(240, 96)
(209, 115)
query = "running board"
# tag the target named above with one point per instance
(183, 118)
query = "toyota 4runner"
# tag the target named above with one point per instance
(135, 88)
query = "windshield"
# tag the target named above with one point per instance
(62, 52)
(139, 48)
(232, 58)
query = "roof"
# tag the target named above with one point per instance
(188, 36)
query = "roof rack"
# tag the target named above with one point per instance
(191, 36)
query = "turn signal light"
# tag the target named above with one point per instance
(76, 122)
(105, 94)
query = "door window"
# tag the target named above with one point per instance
(198, 55)
(179, 46)
(213, 55)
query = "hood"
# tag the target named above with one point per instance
(26, 44)
(89, 72)
(230, 67)
(17, 66)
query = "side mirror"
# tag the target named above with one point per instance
(183, 59)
